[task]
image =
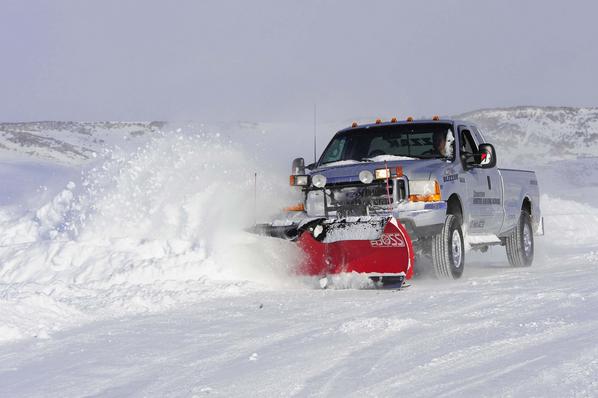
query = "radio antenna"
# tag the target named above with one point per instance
(315, 135)
(255, 198)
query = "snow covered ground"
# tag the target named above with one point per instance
(127, 275)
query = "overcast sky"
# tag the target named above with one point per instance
(272, 60)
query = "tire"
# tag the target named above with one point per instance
(520, 243)
(448, 249)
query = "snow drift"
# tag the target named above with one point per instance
(139, 231)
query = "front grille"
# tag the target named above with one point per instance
(347, 200)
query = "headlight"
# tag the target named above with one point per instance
(319, 181)
(299, 180)
(424, 191)
(366, 176)
(382, 174)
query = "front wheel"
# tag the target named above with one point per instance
(520, 243)
(448, 249)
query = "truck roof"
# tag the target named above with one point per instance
(403, 122)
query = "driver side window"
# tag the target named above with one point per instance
(468, 145)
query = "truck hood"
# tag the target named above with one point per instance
(417, 169)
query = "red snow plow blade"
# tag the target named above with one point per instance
(379, 249)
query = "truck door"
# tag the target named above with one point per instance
(495, 189)
(483, 190)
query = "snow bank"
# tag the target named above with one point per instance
(142, 231)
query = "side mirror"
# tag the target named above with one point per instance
(486, 156)
(298, 167)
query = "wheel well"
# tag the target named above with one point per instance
(454, 206)
(527, 205)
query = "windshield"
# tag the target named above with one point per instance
(390, 142)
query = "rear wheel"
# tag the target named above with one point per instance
(520, 244)
(448, 249)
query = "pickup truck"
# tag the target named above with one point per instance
(437, 177)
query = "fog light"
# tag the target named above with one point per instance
(299, 180)
(382, 174)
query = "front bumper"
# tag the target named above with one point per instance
(420, 219)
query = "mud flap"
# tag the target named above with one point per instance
(379, 248)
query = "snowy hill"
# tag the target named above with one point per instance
(539, 134)
(69, 142)
(79, 143)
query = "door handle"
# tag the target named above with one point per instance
(489, 183)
